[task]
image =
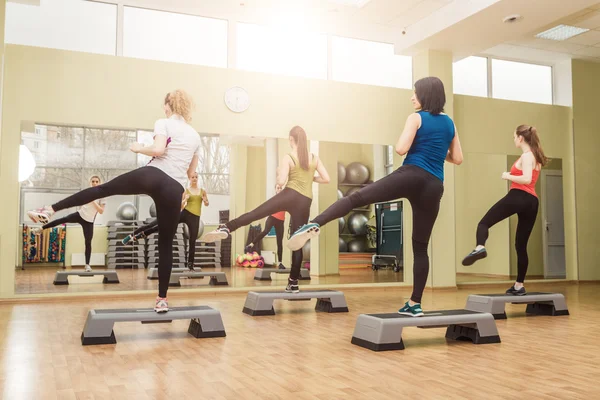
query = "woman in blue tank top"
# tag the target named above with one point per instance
(429, 138)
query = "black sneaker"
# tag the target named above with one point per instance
(281, 266)
(292, 286)
(474, 256)
(516, 292)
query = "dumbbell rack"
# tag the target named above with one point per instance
(123, 256)
(178, 249)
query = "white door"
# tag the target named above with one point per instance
(553, 225)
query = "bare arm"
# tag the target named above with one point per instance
(528, 163)
(193, 166)
(283, 171)
(205, 198)
(413, 123)
(323, 176)
(455, 155)
(99, 207)
(184, 199)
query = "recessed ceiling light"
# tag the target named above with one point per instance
(512, 18)
(561, 32)
(350, 3)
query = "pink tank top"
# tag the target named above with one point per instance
(529, 188)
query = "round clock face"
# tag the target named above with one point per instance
(237, 99)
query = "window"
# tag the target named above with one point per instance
(63, 24)
(371, 63)
(522, 82)
(470, 76)
(165, 36)
(213, 165)
(281, 51)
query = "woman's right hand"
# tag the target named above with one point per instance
(278, 189)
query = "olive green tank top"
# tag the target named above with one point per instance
(301, 180)
(194, 203)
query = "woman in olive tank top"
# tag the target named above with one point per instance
(295, 176)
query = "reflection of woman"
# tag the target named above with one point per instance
(429, 138)
(174, 155)
(85, 217)
(191, 209)
(298, 169)
(521, 200)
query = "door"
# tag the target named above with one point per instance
(553, 225)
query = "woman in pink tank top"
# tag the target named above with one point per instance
(521, 200)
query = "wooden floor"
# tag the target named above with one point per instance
(300, 354)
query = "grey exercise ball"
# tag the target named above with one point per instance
(357, 173)
(341, 223)
(357, 246)
(340, 194)
(341, 173)
(343, 246)
(127, 211)
(186, 232)
(357, 223)
(200, 229)
(153, 210)
(306, 251)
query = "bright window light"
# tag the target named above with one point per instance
(521, 81)
(561, 32)
(26, 163)
(470, 76)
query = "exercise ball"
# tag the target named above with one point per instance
(341, 173)
(306, 251)
(340, 194)
(153, 210)
(343, 246)
(357, 246)
(341, 223)
(357, 173)
(186, 232)
(357, 223)
(127, 211)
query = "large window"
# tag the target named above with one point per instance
(63, 24)
(470, 76)
(281, 51)
(165, 36)
(371, 63)
(523, 82)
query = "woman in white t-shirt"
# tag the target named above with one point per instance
(174, 155)
(85, 217)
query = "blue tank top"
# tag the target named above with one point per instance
(432, 141)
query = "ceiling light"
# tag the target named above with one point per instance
(512, 18)
(350, 3)
(561, 32)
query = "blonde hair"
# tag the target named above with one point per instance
(180, 103)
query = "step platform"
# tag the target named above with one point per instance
(264, 274)
(206, 322)
(380, 332)
(261, 303)
(539, 303)
(216, 278)
(153, 272)
(62, 277)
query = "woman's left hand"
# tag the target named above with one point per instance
(136, 147)
(506, 176)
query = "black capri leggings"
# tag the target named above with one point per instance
(523, 204)
(166, 193)
(193, 223)
(296, 204)
(424, 192)
(88, 230)
(270, 223)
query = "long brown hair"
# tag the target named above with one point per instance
(300, 138)
(530, 135)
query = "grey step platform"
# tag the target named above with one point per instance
(133, 252)
(261, 303)
(153, 241)
(125, 265)
(119, 244)
(153, 272)
(379, 332)
(206, 322)
(264, 274)
(176, 258)
(216, 278)
(62, 277)
(539, 303)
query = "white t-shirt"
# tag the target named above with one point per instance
(88, 211)
(183, 142)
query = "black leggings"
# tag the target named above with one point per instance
(424, 192)
(296, 204)
(191, 220)
(270, 223)
(88, 230)
(523, 204)
(166, 193)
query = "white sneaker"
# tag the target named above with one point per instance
(221, 233)
(88, 268)
(161, 305)
(41, 215)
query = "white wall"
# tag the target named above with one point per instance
(563, 84)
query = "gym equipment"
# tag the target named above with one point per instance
(343, 246)
(261, 303)
(153, 272)
(206, 322)
(357, 223)
(306, 251)
(357, 173)
(264, 274)
(61, 277)
(341, 173)
(152, 210)
(379, 261)
(379, 332)
(341, 223)
(340, 194)
(119, 256)
(389, 246)
(216, 278)
(357, 246)
(186, 232)
(127, 211)
(539, 303)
